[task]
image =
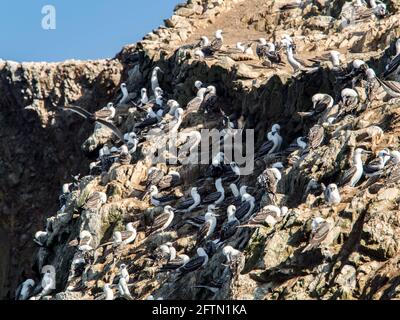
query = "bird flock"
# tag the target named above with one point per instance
(231, 209)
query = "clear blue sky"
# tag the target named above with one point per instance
(85, 29)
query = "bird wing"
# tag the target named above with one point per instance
(78, 110)
(265, 147)
(167, 198)
(160, 221)
(211, 197)
(113, 128)
(316, 136)
(392, 66)
(194, 104)
(392, 85)
(347, 176)
(185, 204)
(202, 234)
(229, 229)
(166, 182)
(192, 265)
(242, 210)
(322, 104)
(92, 201)
(261, 216)
(320, 234)
(126, 234)
(155, 177)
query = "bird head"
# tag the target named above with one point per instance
(370, 73)
(262, 41)
(275, 128)
(218, 34)
(198, 84)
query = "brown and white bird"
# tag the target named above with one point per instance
(316, 136)
(85, 241)
(392, 88)
(171, 180)
(270, 177)
(393, 67)
(125, 237)
(331, 194)
(354, 174)
(95, 200)
(93, 118)
(195, 263)
(319, 231)
(162, 221)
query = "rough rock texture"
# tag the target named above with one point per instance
(41, 148)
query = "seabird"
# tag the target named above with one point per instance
(162, 221)
(154, 176)
(291, 5)
(229, 228)
(160, 200)
(199, 84)
(198, 221)
(270, 177)
(48, 283)
(25, 290)
(393, 66)
(95, 200)
(210, 100)
(392, 88)
(188, 205)
(165, 252)
(215, 197)
(175, 264)
(217, 167)
(124, 157)
(268, 214)
(131, 141)
(245, 48)
(93, 118)
(171, 180)
(232, 175)
(349, 99)
(125, 94)
(331, 194)
(123, 272)
(375, 166)
(261, 49)
(316, 136)
(125, 237)
(230, 253)
(353, 175)
(207, 229)
(319, 231)
(85, 241)
(271, 54)
(194, 104)
(154, 78)
(108, 292)
(123, 289)
(322, 102)
(215, 45)
(144, 99)
(41, 238)
(296, 63)
(246, 208)
(195, 263)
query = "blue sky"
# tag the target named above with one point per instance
(85, 29)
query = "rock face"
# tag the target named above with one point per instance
(41, 148)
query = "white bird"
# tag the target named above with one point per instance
(123, 272)
(125, 94)
(109, 294)
(229, 228)
(230, 253)
(40, 238)
(331, 194)
(154, 79)
(25, 290)
(85, 241)
(123, 289)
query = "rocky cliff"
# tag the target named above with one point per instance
(42, 148)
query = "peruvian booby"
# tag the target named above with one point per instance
(171, 180)
(165, 252)
(125, 94)
(108, 292)
(175, 264)
(215, 45)
(162, 221)
(319, 231)
(375, 166)
(215, 197)
(154, 78)
(25, 290)
(85, 241)
(194, 104)
(316, 136)
(93, 118)
(194, 263)
(160, 200)
(229, 228)
(354, 174)
(123, 272)
(393, 66)
(207, 229)
(123, 289)
(190, 204)
(331, 194)
(95, 200)
(125, 237)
